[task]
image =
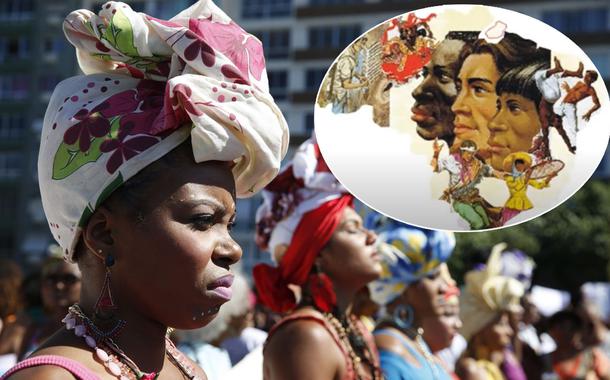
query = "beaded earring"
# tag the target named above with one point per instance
(105, 303)
(403, 316)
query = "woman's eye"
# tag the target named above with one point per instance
(203, 221)
(514, 108)
(445, 78)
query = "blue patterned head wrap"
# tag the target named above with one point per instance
(408, 254)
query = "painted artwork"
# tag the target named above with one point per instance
(462, 117)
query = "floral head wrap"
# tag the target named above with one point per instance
(408, 254)
(302, 208)
(487, 294)
(149, 85)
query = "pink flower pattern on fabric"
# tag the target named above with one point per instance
(244, 50)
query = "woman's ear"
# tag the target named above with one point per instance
(97, 235)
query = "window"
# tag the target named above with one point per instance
(578, 20)
(11, 126)
(14, 86)
(16, 10)
(336, 37)
(313, 79)
(47, 82)
(275, 42)
(266, 8)
(10, 164)
(602, 62)
(278, 84)
(309, 123)
(13, 48)
(53, 46)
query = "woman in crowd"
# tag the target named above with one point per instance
(325, 256)
(60, 288)
(415, 294)
(486, 302)
(480, 66)
(12, 320)
(140, 163)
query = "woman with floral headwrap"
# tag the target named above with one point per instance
(140, 163)
(486, 303)
(323, 252)
(416, 293)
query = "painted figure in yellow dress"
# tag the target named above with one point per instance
(517, 177)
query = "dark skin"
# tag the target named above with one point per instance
(436, 93)
(350, 261)
(425, 297)
(166, 259)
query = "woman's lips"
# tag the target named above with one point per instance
(497, 148)
(221, 287)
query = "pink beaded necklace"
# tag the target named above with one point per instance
(113, 358)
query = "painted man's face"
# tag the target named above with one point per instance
(436, 93)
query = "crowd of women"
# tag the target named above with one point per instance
(140, 163)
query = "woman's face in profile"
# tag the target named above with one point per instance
(497, 334)
(512, 128)
(173, 260)
(350, 256)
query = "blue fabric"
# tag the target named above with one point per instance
(395, 367)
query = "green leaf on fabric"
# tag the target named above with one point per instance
(69, 158)
(115, 184)
(120, 34)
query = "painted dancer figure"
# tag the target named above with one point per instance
(466, 171)
(564, 114)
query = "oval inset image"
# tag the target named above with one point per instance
(462, 117)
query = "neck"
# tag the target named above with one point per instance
(345, 298)
(142, 339)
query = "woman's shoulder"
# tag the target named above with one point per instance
(306, 328)
(58, 362)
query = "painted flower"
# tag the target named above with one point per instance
(124, 150)
(199, 47)
(92, 124)
(243, 49)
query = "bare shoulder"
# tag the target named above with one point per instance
(390, 343)
(299, 334)
(303, 349)
(468, 369)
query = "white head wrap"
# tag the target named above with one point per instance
(487, 294)
(149, 85)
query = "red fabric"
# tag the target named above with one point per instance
(311, 235)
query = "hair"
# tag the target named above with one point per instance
(466, 36)
(519, 161)
(520, 80)
(513, 50)
(469, 144)
(594, 75)
(11, 279)
(566, 317)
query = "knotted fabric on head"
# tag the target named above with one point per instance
(302, 208)
(408, 254)
(487, 294)
(149, 85)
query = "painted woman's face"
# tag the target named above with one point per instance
(475, 104)
(174, 263)
(513, 127)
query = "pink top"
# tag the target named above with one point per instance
(75, 368)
